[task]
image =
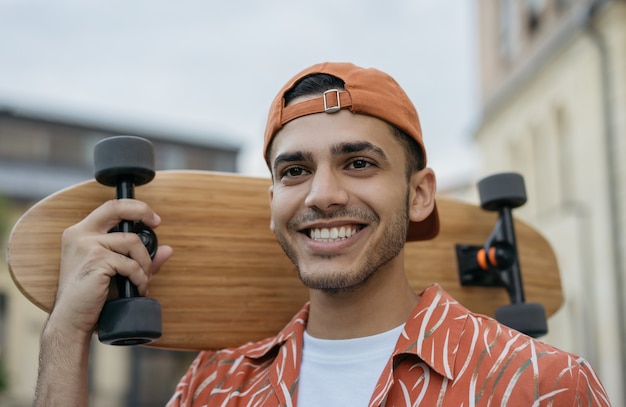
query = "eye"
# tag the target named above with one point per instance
(293, 172)
(359, 163)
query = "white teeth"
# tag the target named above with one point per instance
(332, 234)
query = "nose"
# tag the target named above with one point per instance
(327, 190)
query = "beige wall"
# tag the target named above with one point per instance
(551, 129)
(508, 40)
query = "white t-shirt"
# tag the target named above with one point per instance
(343, 372)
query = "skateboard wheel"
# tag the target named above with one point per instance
(124, 156)
(130, 321)
(500, 190)
(148, 238)
(528, 318)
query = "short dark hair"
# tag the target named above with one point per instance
(318, 83)
(313, 85)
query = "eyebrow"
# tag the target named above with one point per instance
(357, 147)
(291, 157)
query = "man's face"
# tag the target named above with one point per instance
(339, 198)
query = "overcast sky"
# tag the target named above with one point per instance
(210, 69)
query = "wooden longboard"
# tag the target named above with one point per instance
(229, 281)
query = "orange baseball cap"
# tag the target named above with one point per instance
(366, 91)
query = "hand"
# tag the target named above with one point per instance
(91, 256)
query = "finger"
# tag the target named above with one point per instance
(129, 245)
(111, 254)
(127, 267)
(111, 213)
(133, 261)
(162, 255)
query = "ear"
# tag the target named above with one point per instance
(270, 190)
(423, 187)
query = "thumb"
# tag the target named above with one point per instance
(162, 255)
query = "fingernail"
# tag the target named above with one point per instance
(157, 218)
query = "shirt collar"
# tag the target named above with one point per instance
(295, 328)
(433, 331)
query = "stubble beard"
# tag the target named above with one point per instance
(342, 281)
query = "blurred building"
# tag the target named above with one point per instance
(553, 88)
(40, 155)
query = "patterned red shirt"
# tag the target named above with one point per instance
(445, 356)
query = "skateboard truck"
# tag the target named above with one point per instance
(496, 263)
(123, 162)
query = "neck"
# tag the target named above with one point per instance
(382, 303)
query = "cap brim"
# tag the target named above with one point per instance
(426, 229)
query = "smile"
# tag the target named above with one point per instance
(332, 234)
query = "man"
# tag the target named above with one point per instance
(349, 186)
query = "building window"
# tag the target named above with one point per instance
(534, 11)
(165, 368)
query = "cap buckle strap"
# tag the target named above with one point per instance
(328, 108)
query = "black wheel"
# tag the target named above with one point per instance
(130, 321)
(124, 156)
(528, 318)
(500, 190)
